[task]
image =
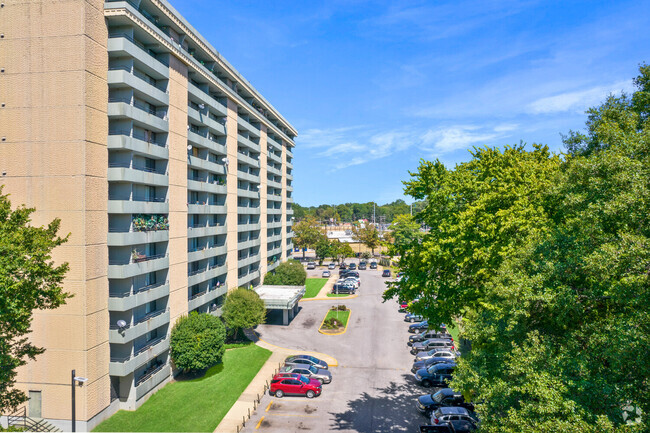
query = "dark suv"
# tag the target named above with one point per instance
(432, 343)
(445, 397)
(436, 375)
(426, 335)
(373, 265)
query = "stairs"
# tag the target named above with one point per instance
(21, 420)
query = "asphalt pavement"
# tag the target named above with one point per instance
(372, 388)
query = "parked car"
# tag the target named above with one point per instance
(362, 266)
(410, 317)
(446, 414)
(436, 375)
(386, 273)
(351, 280)
(296, 385)
(432, 343)
(436, 353)
(306, 359)
(350, 273)
(373, 265)
(331, 266)
(311, 265)
(326, 274)
(352, 266)
(426, 363)
(341, 288)
(444, 397)
(325, 376)
(452, 426)
(428, 334)
(418, 328)
(343, 266)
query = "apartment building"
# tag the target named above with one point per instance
(171, 173)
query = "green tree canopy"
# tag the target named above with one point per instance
(289, 273)
(367, 235)
(197, 341)
(243, 309)
(29, 280)
(405, 233)
(307, 233)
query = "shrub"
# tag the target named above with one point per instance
(289, 273)
(197, 342)
(243, 309)
(340, 308)
(332, 323)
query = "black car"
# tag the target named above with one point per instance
(373, 265)
(444, 397)
(419, 365)
(362, 266)
(344, 288)
(419, 327)
(352, 266)
(426, 335)
(343, 266)
(436, 375)
(453, 426)
(386, 273)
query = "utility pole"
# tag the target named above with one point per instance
(373, 212)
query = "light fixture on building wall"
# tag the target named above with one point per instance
(226, 161)
(189, 147)
(201, 106)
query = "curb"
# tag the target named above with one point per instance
(294, 351)
(337, 333)
(329, 298)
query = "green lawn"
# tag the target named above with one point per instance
(337, 295)
(340, 315)
(196, 405)
(313, 286)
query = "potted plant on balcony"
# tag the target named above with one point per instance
(137, 256)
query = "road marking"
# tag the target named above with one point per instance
(259, 423)
(268, 407)
(294, 415)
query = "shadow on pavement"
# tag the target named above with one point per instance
(390, 409)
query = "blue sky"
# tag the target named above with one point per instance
(375, 86)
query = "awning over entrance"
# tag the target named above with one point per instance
(282, 298)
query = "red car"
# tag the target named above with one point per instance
(294, 384)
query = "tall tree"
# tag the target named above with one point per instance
(307, 233)
(367, 235)
(405, 233)
(29, 280)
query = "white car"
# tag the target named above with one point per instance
(435, 353)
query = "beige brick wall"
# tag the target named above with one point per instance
(263, 164)
(55, 124)
(283, 218)
(231, 199)
(177, 189)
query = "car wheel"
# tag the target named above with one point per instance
(310, 394)
(411, 320)
(426, 383)
(279, 393)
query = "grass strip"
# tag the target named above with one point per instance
(196, 405)
(313, 286)
(338, 295)
(343, 316)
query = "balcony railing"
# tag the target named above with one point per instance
(137, 290)
(140, 106)
(134, 167)
(149, 345)
(143, 77)
(149, 374)
(136, 43)
(140, 258)
(138, 136)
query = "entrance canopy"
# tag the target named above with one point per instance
(283, 298)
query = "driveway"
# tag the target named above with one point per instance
(372, 388)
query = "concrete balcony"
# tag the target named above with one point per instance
(248, 143)
(204, 119)
(206, 274)
(248, 160)
(203, 164)
(289, 223)
(274, 184)
(274, 143)
(124, 46)
(248, 227)
(120, 78)
(122, 140)
(205, 297)
(248, 127)
(245, 210)
(289, 165)
(129, 270)
(248, 193)
(271, 266)
(211, 187)
(125, 110)
(207, 99)
(145, 325)
(195, 232)
(274, 238)
(206, 209)
(248, 260)
(289, 199)
(143, 296)
(274, 251)
(274, 197)
(273, 211)
(246, 279)
(289, 211)
(142, 388)
(248, 244)
(135, 207)
(274, 157)
(199, 140)
(255, 178)
(273, 170)
(127, 365)
(117, 239)
(274, 225)
(289, 176)
(133, 175)
(289, 188)
(207, 253)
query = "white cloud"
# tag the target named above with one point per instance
(450, 139)
(577, 101)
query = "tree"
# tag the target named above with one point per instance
(405, 232)
(342, 250)
(324, 249)
(289, 273)
(29, 280)
(367, 235)
(307, 233)
(197, 341)
(243, 309)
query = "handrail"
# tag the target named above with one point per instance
(140, 106)
(138, 290)
(150, 316)
(140, 259)
(132, 71)
(137, 44)
(150, 374)
(133, 167)
(138, 136)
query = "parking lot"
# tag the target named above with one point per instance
(372, 388)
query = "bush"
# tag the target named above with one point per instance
(332, 323)
(289, 273)
(197, 342)
(243, 309)
(340, 308)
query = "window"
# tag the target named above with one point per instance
(35, 404)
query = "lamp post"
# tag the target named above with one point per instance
(80, 381)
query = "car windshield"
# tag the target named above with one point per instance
(438, 397)
(303, 379)
(313, 369)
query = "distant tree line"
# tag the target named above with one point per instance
(348, 212)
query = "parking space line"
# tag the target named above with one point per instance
(259, 423)
(268, 407)
(294, 415)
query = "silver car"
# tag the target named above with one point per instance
(325, 376)
(436, 353)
